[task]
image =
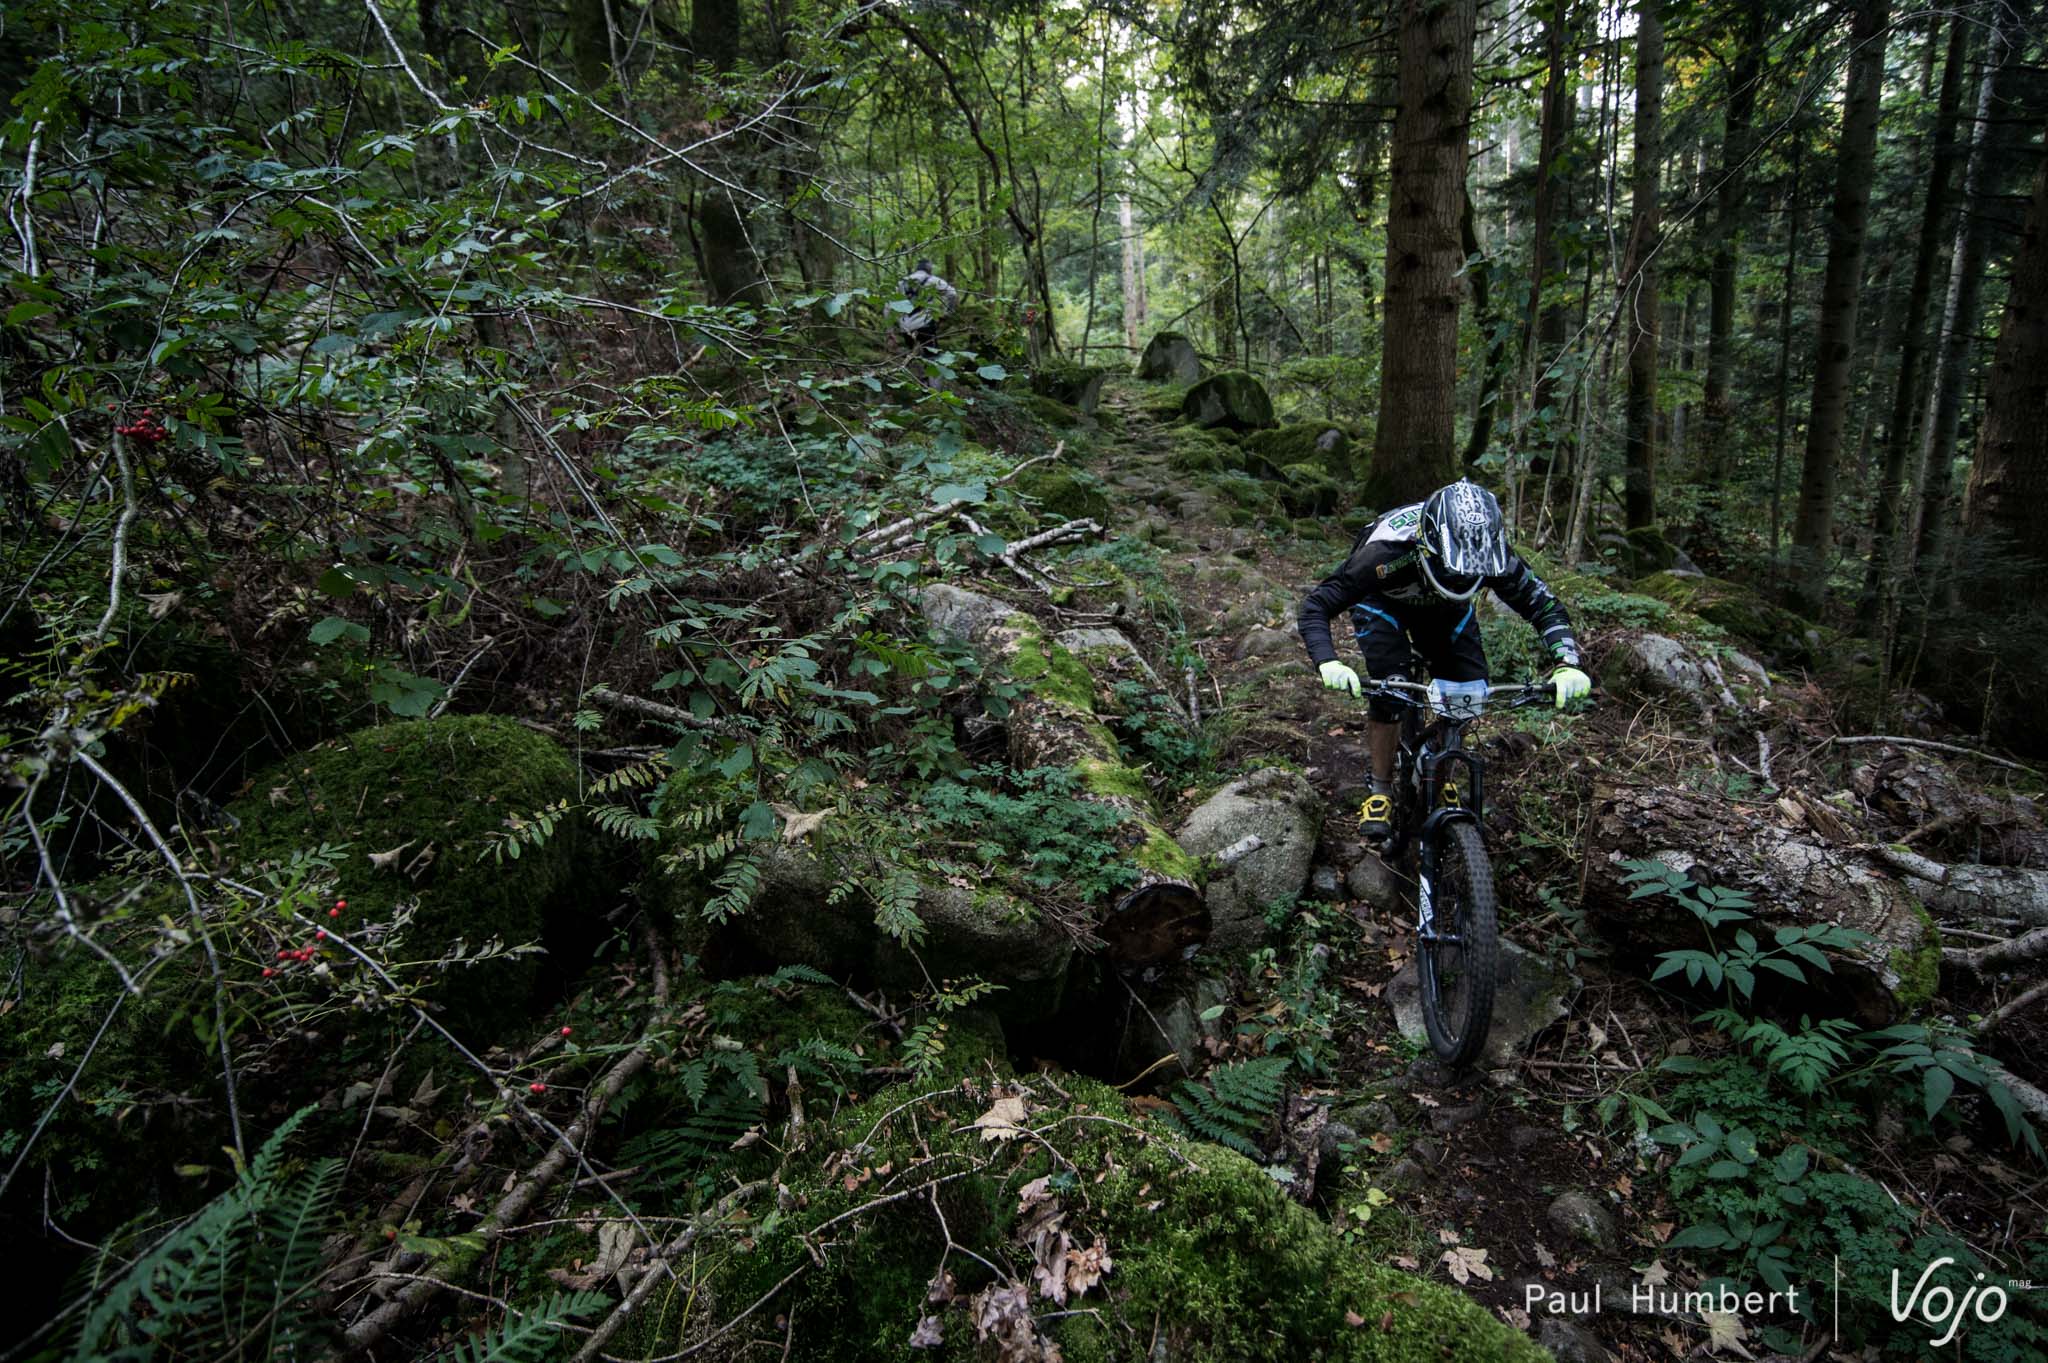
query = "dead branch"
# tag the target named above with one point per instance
(1999, 1015)
(658, 1269)
(567, 1147)
(652, 709)
(1932, 746)
(2027, 946)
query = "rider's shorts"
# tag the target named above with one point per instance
(1390, 633)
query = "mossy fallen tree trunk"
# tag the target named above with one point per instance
(1054, 724)
(1794, 876)
(2006, 893)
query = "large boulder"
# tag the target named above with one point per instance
(1284, 811)
(1170, 358)
(421, 804)
(1161, 1238)
(1529, 995)
(1232, 398)
(1305, 490)
(1657, 666)
(1077, 385)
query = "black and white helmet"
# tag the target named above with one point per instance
(1463, 540)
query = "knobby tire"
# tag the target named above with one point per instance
(1458, 979)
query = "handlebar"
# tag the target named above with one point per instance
(1516, 695)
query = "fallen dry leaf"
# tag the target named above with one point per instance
(797, 825)
(1004, 1121)
(1544, 1257)
(927, 1335)
(1466, 1263)
(1353, 1319)
(1725, 1330)
(1656, 1275)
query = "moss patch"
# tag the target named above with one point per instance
(1743, 613)
(1208, 1253)
(1067, 493)
(1305, 490)
(446, 784)
(1919, 969)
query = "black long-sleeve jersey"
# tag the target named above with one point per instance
(1385, 563)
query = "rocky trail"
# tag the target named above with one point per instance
(1527, 1177)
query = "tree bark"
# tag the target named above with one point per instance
(1893, 491)
(732, 268)
(1639, 296)
(1729, 204)
(2009, 477)
(1841, 289)
(1413, 448)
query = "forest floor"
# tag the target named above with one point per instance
(1506, 1160)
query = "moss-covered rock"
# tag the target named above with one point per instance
(1322, 444)
(1050, 411)
(1067, 492)
(1232, 398)
(1305, 490)
(1209, 1260)
(438, 791)
(1077, 385)
(1742, 612)
(1170, 357)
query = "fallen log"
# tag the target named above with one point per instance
(2028, 946)
(1054, 724)
(1794, 876)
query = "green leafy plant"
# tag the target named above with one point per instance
(1232, 1103)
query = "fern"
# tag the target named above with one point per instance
(225, 1282)
(528, 1338)
(638, 776)
(735, 887)
(1234, 1103)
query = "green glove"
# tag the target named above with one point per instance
(1338, 677)
(1571, 685)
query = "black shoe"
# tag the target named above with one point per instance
(1376, 817)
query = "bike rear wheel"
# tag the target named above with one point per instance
(1459, 955)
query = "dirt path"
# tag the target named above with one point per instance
(1487, 1162)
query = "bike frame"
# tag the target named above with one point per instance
(1430, 755)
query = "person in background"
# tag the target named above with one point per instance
(931, 297)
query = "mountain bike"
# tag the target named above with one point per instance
(1439, 829)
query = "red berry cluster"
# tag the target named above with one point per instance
(145, 429)
(307, 952)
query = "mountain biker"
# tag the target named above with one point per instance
(1409, 584)
(931, 295)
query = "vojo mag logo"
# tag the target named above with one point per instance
(1935, 1303)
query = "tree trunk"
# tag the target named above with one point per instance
(1492, 330)
(1729, 205)
(1413, 448)
(1639, 297)
(1813, 531)
(2009, 477)
(1546, 313)
(1795, 876)
(1133, 273)
(1893, 491)
(1966, 275)
(1785, 292)
(732, 268)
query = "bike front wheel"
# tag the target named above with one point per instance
(1460, 948)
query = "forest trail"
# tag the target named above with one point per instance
(1507, 1161)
